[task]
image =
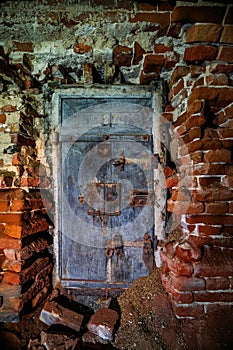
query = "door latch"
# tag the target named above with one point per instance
(120, 161)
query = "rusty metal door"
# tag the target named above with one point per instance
(106, 215)
(107, 256)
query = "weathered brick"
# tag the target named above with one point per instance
(216, 262)
(217, 79)
(194, 107)
(179, 86)
(215, 283)
(103, 323)
(184, 207)
(216, 208)
(200, 53)
(23, 46)
(53, 313)
(181, 195)
(203, 33)
(172, 181)
(161, 18)
(188, 252)
(138, 53)
(182, 297)
(177, 265)
(229, 169)
(209, 180)
(82, 48)
(194, 133)
(217, 156)
(9, 108)
(221, 68)
(200, 14)
(122, 56)
(217, 96)
(210, 219)
(10, 243)
(146, 79)
(231, 207)
(11, 265)
(178, 72)
(227, 34)
(36, 246)
(26, 274)
(225, 132)
(225, 54)
(161, 48)
(153, 63)
(2, 118)
(197, 157)
(171, 59)
(20, 231)
(168, 171)
(189, 310)
(209, 230)
(213, 193)
(229, 16)
(183, 283)
(212, 297)
(208, 169)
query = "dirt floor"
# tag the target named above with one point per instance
(147, 322)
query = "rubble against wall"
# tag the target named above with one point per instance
(189, 46)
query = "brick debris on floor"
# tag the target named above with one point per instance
(141, 318)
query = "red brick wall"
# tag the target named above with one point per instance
(192, 53)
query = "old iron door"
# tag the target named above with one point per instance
(107, 207)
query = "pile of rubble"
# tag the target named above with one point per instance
(74, 326)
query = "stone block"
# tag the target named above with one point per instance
(103, 323)
(53, 313)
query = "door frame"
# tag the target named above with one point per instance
(154, 93)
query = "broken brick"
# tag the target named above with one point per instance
(53, 313)
(103, 323)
